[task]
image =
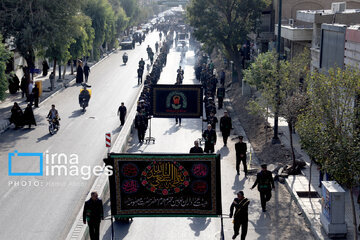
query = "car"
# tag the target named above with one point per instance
(182, 46)
(126, 43)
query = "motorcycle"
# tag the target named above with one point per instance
(125, 58)
(53, 125)
(84, 97)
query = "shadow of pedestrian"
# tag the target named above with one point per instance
(238, 185)
(172, 130)
(199, 224)
(121, 229)
(224, 151)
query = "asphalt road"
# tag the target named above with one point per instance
(43, 207)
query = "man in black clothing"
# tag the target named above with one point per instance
(264, 181)
(140, 125)
(35, 93)
(86, 72)
(196, 148)
(210, 139)
(212, 120)
(241, 215)
(241, 150)
(93, 214)
(140, 72)
(220, 95)
(122, 113)
(225, 126)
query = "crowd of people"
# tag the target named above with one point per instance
(144, 105)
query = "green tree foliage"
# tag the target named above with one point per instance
(36, 24)
(4, 57)
(225, 23)
(279, 82)
(329, 128)
(103, 22)
(83, 35)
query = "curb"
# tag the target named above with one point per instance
(5, 124)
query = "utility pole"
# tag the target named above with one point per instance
(276, 139)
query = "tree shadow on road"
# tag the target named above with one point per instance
(199, 224)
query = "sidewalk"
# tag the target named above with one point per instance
(6, 105)
(311, 207)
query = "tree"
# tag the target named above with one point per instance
(266, 72)
(36, 24)
(102, 17)
(332, 122)
(4, 57)
(84, 37)
(225, 22)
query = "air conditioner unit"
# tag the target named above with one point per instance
(338, 7)
(291, 22)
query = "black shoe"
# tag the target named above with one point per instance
(264, 210)
(238, 173)
(234, 236)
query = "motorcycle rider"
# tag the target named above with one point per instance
(84, 95)
(54, 115)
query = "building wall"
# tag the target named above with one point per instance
(289, 7)
(352, 48)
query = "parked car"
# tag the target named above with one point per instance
(126, 43)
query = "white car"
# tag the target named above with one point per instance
(182, 46)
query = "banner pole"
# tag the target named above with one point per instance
(112, 228)
(222, 228)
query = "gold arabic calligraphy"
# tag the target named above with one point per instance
(165, 175)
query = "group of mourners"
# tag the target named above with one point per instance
(144, 106)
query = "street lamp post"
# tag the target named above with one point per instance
(276, 139)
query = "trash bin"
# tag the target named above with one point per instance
(39, 86)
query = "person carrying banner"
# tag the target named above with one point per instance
(241, 215)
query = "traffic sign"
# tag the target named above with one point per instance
(108, 140)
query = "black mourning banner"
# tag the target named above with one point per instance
(169, 101)
(165, 185)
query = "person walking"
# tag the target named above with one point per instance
(93, 214)
(35, 96)
(29, 118)
(30, 93)
(122, 113)
(86, 72)
(220, 95)
(140, 72)
(225, 126)
(196, 148)
(240, 204)
(45, 67)
(265, 182)
(156, 47)
(212, 120)
(140, 125)
(210, 139)
(79, 73)
(16, 116)
(241, 150)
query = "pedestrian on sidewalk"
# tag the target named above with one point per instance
(23, 86)
(52, 81)
(30, 95)
(29, 118)
(241, 149)
(196, 148)
(222, 77)
(220, 95)
(265, 183)
(93, 214)
(241, 205)
(122, 113)
(35, 96)
(45, 66)
(86, 72)
(79, 73)
(210, 139)
(16, 116)
(225, 126)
